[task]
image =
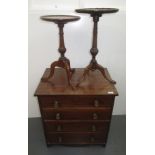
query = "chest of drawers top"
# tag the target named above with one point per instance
(95, 84)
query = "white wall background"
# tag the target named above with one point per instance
(43, 43)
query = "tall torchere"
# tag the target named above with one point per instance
(62, 62)
(95, 13)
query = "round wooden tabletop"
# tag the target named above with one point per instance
(60, 18)
(97, 10)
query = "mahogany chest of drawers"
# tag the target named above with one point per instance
(80, 116)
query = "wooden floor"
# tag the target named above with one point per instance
(116, 144)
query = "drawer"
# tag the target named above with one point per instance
(76, 138)
(76, 101)
(77, 126)
(77, 113)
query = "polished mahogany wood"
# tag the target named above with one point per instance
(63, 101)
(95, 13)
(76, 117)
(76, 138)
(77, 113)
(99, 126)
(62, 62)
(60, 18)
(95, 85)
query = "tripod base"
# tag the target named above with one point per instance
(63, 63)
(93, 67)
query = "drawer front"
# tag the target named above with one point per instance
(77, 114)
(76, 101)
(76, 138)
(72, 126)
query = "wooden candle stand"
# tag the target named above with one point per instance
(62, 62)
(95, 14)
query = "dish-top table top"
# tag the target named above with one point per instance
(97, 10)
(60, 18)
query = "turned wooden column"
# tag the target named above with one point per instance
(94, 49)
(62, 48)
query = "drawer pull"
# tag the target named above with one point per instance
(58, 116)
(95, 116)
(93, 128)
(56, 104)
(59, 128)
(59, 139)
(92, 139)
(96, 103)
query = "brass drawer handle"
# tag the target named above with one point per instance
(96, 103)
(56, 104)
(93, 128)
(92, 139)
(58, 116)
(95, 116)
(59, 139)
(59, 128)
